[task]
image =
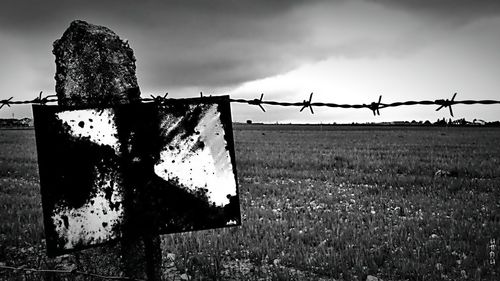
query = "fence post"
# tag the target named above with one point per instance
(94, 67)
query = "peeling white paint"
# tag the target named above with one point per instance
(208, 167)
(199, 161)
(96, 125)
(92, 223)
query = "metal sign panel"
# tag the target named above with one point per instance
(142, 168)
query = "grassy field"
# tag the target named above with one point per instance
(319, 203)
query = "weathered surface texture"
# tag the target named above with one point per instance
(94, 67)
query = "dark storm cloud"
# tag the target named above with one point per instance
(453, 11)
(180, 43)
(223, 43)
(34, 15)
(220, 43)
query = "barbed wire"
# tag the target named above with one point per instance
(375, 107)
(27, 270)
(38, 100)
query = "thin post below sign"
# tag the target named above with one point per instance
(154, 168)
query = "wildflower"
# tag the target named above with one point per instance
(170, 256)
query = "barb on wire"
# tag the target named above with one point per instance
(42, 101)
(39, 98)
(25, 269)
(446, 103)
(158, 99)
(307, 103)
(5, 102)
(374, 106)
(258, 102)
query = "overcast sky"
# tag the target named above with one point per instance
(343, 51)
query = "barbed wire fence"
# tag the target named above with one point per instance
(375, 107)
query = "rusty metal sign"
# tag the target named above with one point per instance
(144, 168)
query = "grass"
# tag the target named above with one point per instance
(20, 203)
(337, 203)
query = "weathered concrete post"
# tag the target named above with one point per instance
(94, 67)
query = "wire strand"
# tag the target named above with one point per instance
(375, 107)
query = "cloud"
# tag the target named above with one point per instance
(223, 43)
(179, 43)
(221, 48)
(454, 12)
(34, 15)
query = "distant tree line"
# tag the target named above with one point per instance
(463, 122)
(15, 123)
(28, 122)
(438, 122)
